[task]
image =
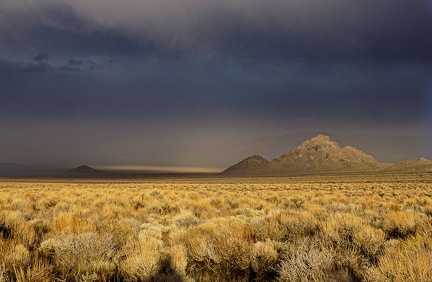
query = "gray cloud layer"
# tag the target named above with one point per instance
(232, 68)
(277, 29)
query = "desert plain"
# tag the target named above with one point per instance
(329, 227)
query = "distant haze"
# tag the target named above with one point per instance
(160, 169)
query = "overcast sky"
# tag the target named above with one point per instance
(179, 82)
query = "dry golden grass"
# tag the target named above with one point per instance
(329, 228)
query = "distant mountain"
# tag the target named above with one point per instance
(11, 169)
(320, 154)
(316, 155)
(20, 170)
(9, 165)
(419, 165)
(17, 170)
(384, 148)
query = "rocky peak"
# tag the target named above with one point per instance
(319, 141)
(321, 137)
(319, 145)
(322, 154)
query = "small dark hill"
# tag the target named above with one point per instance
(252, 164)
(22, 170)
(6, 166)
(12, 169)
(84, 170)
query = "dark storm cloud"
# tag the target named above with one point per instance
(80, 65)
(56, 28)
(41, 65)
(42, 56)
(280, 30)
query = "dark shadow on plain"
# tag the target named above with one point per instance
(167, 273)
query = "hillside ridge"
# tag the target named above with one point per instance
(319, 155)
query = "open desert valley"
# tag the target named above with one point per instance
(358, 227)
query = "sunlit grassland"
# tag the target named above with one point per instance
(330, 228)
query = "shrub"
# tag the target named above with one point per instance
(13, 226)
(399, 224)
(369, 242)
(87, 253)
(178, 257)
(282, 225)
(15, 256)
(306, 261)
(221, 249)
(264, 260)
(38, 272)
(142, 259)
(404, 261)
